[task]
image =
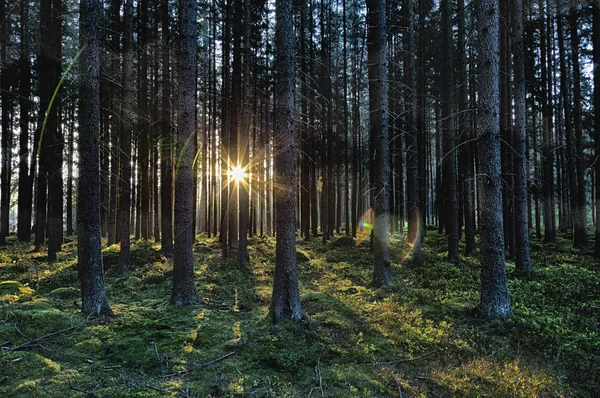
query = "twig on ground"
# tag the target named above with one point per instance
(400, 360)
(34, 342)
(182, 372)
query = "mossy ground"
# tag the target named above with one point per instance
(421, 337)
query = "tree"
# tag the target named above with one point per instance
(25, 197)
(127, 123)
(166, 167)
(54, 132)
(184, 288)
(449, 163)
(596, 56)
(412, 164)
(7, 103)
(285, 302)
(494, 299)
(379, 147)
(577, 115)
(523, 261)
(89, 250)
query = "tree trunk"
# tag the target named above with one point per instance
(166, 166)
(25, 194)
(596, 55)
(494, 290)
(285, 303)
(128, 117)
(577, 114)
(449, 163)
(520, 142)
(380, 152)
(184, 288)
(89, 253)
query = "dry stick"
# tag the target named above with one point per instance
(46, 336)
(400, 360)
(182, 372)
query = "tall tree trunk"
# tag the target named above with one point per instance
(128, 117)
(243, 141)
(547, 154)
(166, 166)
(570, 155)
(577, 114)
(596, 55)
(184, 288)
(285, 302)
(25, 194)
(412, 163)
(54, 130)
(7, 100)
(449, 172)
(520, 142)
(494, 300)
(380, 152)
(89, 253)
(466, 154)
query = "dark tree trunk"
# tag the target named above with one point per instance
(128, 118)
(89, 253)
(51, 129)
(380, 152)
(7, 100)
(25, 194)
(143, 136)
(285, 302)
(494, 290)
(166, 167)
(520, 142)
(570, 153)
(466, 154)
(449, 163)
(596, 55)
(412, 163)
(243, 140)
(184, 288)
(577, 114)
(70, 158)
(547, 150)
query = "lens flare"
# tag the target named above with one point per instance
(237, 174)
(364, 234)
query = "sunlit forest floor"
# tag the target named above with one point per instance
(421, 337)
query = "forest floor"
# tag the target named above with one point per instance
(421, 337)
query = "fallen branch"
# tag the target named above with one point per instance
(189, 370)
(400, 360)
(44, 337)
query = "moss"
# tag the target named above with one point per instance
(420, 334)
(65, 293)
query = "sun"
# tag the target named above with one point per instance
(237, 174)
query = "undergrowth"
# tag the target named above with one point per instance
(421, 337)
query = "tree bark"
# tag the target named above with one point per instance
(380, 152)
(25, 194)
(285, 302)
(522, 257)
(89, 253)
(494, 299)
(184, 288)
(128, 117)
